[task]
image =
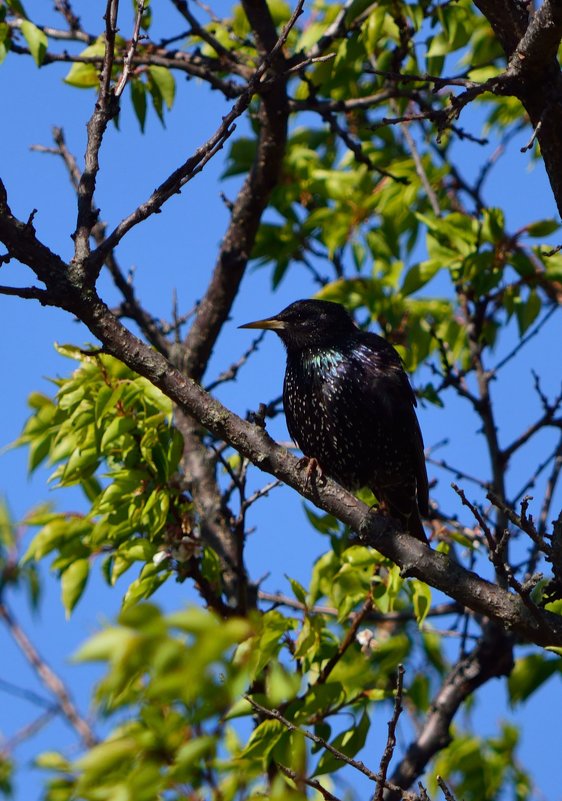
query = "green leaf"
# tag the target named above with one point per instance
(47, 539)
(107, 756)
(528, 310)
(263, 740)
(151, 577)
(528, 675)
(189, 755)
(542, 228)
(419, 275)
(421, 597)
(86, 76)
(298, 590)
(165, 82)
(281, 685)
(52, 760)
(83, 76)
(138, 98)
(7, 528)
(36, 39)
(348, 742)
(73, 583)
(117, 427)
(104, 645)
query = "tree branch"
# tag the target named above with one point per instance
(490, 658)
(105, 108)
(51, 681)
(533, 72)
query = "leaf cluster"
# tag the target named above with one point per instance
(109, 432)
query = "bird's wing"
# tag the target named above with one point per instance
(403, 400)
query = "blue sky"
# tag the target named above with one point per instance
(176, 250)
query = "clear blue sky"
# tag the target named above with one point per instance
(176, 249)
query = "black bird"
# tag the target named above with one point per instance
(349, 405)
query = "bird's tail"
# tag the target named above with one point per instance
(415, 527)
(401, 503)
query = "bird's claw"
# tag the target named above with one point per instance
(313, 469)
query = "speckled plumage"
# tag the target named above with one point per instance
(349, 405)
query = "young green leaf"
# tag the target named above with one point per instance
(36, 39)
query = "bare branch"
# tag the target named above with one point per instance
(51, 681)
(105, 108)
(491, 657)
(420, 169)
(231, 372)
(525, 339)
(29, 293)
(198, 30)
(131, 306)
(274, 714)
(65, 8)
(127, 61)
(326, 794)
(550, 488)
(391, 739)
(27, 731)
(446, 792)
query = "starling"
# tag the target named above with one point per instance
(349, 406)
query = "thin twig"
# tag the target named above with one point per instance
(128, 60)
(274, 714)
(73, 21)
(279, 599)
(28, 731)
(105, 108)
(48, 677)
(534, 135)
(28, 695)
(551, 483)
(262, 492)
(530, 483)
(391, 739)
(349, 638)
(446, 792)
(130, 307)
(202, 33)
(525, 339)
(479, 517)
(523, 521)
(195, 163)
(231, 373)
(420, 169)
(326, 794)
(457, 472)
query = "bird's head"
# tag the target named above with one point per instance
(309, 324)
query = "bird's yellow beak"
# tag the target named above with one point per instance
(272, 323)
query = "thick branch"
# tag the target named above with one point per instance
(217, 525)
(531, 48)
(415, 559)
(250, 204)
(253, 442)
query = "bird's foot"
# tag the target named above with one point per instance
(313, 469)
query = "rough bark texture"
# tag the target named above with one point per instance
(533, 73)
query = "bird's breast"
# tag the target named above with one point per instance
(324, 416)
(341, 409)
